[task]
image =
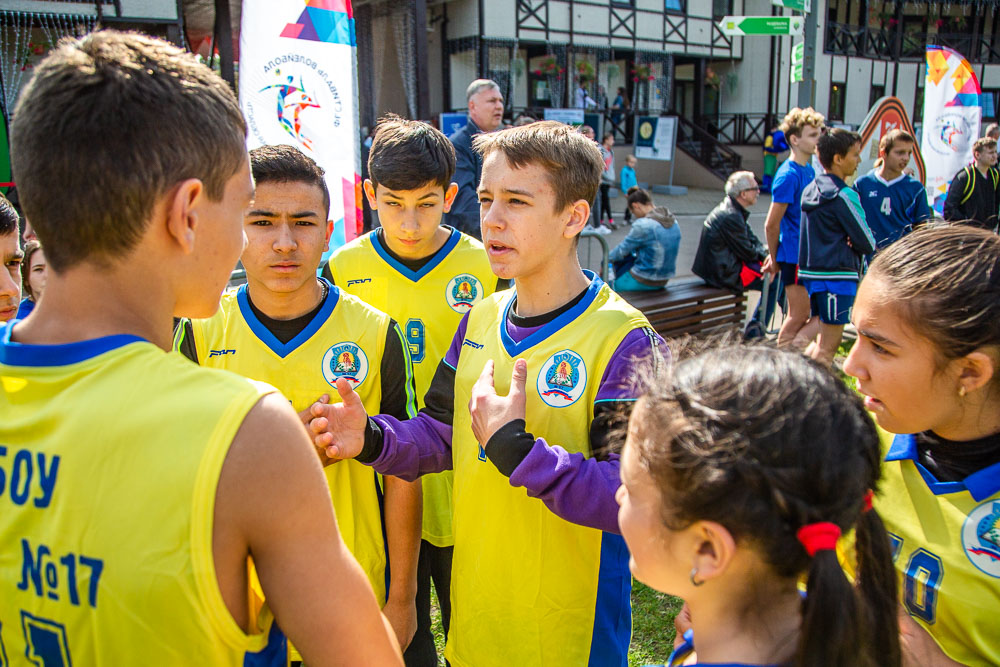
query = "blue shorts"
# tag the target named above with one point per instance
(832, 308)
(789, 274)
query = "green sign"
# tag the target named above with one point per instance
(804, 6)
(796, 73)
(737, 26)
(798, 53)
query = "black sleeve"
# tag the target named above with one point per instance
(399, 394)
(741, 239)
(609, 428)
(184, 339)
(439, 401)
(327, 273)
(953, 201)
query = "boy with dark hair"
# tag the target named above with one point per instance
(12, 256)
(298, 332)
(894, 201)
(974, 192)
(540, 575)
(801, 128)
(156, 481)
(834, 240)
(427, 276)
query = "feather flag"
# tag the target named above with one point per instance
(298, 86)
(952, 115)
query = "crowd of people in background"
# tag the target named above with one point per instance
(235, 486)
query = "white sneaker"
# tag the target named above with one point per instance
(602, 230)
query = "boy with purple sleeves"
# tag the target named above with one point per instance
(529, 395)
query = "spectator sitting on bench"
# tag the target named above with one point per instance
(647, 257)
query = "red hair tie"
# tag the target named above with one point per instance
(819, 536)
(867, 501)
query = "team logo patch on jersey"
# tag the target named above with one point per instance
(981, 537)
(562, 379)
(345, 360)
(463, 292)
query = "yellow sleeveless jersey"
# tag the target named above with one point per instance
(946, 547)
(345, 339)
(428, 304)
(527, 587)
(109, 465)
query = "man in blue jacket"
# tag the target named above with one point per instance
(833, 239)
(485, 115)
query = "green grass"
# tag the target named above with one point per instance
(652, 625)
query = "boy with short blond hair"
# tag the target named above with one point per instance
(540, 575)
(425, 275)
(802, 128)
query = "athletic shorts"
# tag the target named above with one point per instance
(832, 308)
(789, 273)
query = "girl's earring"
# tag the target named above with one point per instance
(695, 582)
(961, 391)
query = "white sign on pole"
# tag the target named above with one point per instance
(298, 79)
(655, 137)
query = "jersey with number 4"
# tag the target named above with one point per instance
(892, 207)
(109, 464)
(946, 546)
(428, 304)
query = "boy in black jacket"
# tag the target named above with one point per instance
(834, 238)
(974, 193)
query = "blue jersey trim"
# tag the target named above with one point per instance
(20, 354)
(515, 348)
(612, 631)
(269, 339)
(415, 276)
(980, 485)
(274, 654)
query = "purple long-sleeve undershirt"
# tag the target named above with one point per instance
(574, 487)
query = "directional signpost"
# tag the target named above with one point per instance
(801, 5)
(797, 57)
(738, 26)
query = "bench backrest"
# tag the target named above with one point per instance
(690, 307)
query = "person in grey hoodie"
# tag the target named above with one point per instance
(647, 258)
(833, 240)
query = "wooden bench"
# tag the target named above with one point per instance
(689, 306)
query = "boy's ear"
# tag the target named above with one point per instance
(579, 215)
(449, 196)
(329, 231)
(181, 208)
(369, 188)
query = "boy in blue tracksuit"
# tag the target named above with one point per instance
(833, 239)
(627, 182)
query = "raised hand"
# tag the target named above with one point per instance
(489, 411)
(338, 429)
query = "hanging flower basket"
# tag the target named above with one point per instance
(584, 71)
(712, 79)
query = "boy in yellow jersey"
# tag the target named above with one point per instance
(137, 486)
(300, 333)
(427, 276)
(540, 572)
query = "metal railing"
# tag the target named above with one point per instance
(715, 156)
(589, 240)
(899, 44)
(739, 128)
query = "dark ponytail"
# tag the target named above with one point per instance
(772, 446)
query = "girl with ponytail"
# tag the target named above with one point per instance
(739, 474)
(927, 359)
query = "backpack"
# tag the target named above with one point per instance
(970, 181)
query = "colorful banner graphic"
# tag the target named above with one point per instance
(298, 83)
(952, 114)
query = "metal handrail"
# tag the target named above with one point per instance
(589, 235)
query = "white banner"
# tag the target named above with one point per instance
(298, 83)
(952, 115)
